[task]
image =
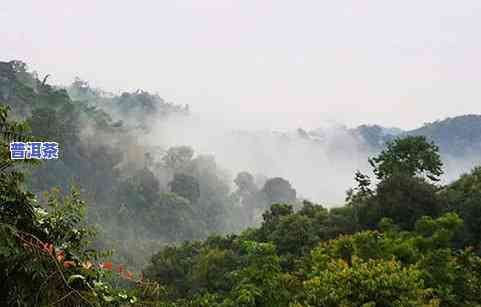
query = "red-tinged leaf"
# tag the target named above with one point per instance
(106, 265)
(128, 275)
(68, 264)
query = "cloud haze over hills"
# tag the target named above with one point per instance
(320, 163)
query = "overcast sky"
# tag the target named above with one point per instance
(273, 64)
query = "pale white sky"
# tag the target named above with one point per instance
(275, 64)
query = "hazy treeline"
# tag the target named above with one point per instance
(142, 194)
(401, 239)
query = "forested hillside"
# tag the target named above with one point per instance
(141, 195)
(81, 230)
(457, 137)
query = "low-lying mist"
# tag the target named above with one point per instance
(320, 164)
(320, 167)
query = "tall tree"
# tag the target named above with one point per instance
(412, 155)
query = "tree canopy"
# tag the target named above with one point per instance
(168, 227)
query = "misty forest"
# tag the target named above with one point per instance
(149, 205)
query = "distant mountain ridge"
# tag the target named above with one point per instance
(455, 136)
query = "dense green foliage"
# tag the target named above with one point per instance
(45, 254)
(400, 240)
(141, 196)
